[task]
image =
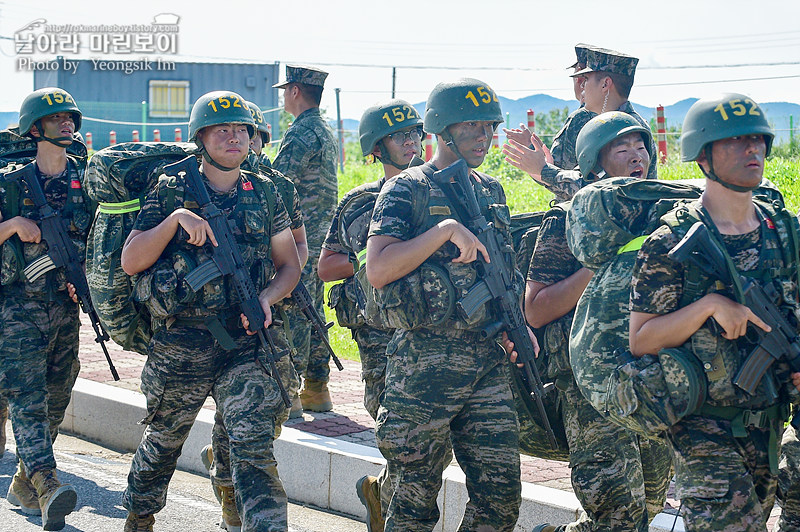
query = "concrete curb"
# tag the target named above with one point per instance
(316, 470)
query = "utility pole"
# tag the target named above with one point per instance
(394, 80)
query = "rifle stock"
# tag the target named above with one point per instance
(306, 305)
(61, 253)
(228, 259)
(503, 301)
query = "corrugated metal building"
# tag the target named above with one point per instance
(148, 94)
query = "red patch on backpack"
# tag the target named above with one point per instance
(770, 225)
(247, 185)
(75, 184)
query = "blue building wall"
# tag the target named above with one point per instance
(113, 95)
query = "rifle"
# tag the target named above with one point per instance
(496, 282)
(781, 343)
(306, 305)
(61, 253)
(226, 260)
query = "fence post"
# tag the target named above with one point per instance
(495, 140)
(178, 134)
(89, 141)
(156, 135)
(112, 137)
(531, 120)
(135, 135)
(428, 147)
(662, 134)
(341, 130)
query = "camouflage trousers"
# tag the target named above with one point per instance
(184, 366)
(38, 368)
(620, 479)
(789, 482)
(221, 467)
(724, 483)
(311, 360)
(441, 388)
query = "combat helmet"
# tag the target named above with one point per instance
(45, 102)
(601, 130)
(463, 100)
(383, 119)
(219, 107)
(721, 117)
(261, 123)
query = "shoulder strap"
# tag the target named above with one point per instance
(264, 194)
(422, 172)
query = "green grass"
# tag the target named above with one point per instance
(523, 195)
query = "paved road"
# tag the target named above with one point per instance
(99, 475)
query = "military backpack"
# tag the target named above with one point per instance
(118, 178)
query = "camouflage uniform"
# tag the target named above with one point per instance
(39, 325)
(308, 156)
(559, 177)
(789, 481)
(445, 383)
(621, 480)
(220, 468)
(186, 364)
(726, 478)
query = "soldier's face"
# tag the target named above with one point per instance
(739, 160)
(472, 140)
(227, 144)
(403, 145)
(594, 91)
(257, 143)
(57, 125)
(625, 156)
(578, 82)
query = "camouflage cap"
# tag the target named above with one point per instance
(604, 60)
(580, 54)
(303, 74)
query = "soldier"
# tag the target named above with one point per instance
(620, 480)
(390, 132)
(608, 81)
(443, 380)
(215, 456)
(40, 322)
(789, 481)
(725, 453)
(200, 347)
(308, 156)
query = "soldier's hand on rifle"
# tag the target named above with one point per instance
(467, 243)
(195, 226)
(732, 316)
(71, 292)
(267, 320)
(27, 230)
(508, 345)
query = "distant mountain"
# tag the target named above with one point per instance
(8, 119)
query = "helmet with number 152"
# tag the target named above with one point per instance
(722, 117)
(219, 107)
(464, 100)
(45, 102)
(384, 119)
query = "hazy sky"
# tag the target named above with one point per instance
(686, 47)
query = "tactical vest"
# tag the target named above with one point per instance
(163, 288)
(722, 358)
(286, 189)
(437, 294)
(77, 214)
(348, 298)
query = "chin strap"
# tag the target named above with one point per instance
(450, 143)
(714, 177)
(212, 162)
(386, 157)
(61, 142)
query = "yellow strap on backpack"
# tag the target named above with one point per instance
(119, 208)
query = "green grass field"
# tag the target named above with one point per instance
(524, 195)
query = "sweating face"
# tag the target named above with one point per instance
(227, 144)
(625, 156)
(739, 160)
(57, 125)
(472, 140)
